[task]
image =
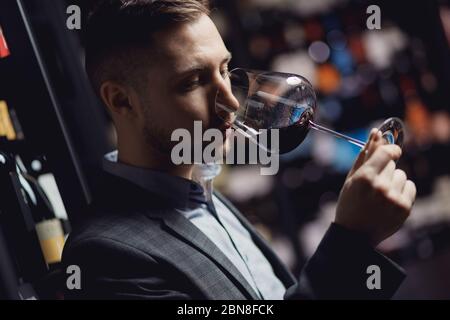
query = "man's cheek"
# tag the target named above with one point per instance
(188, 117)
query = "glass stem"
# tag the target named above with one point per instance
(354, 141)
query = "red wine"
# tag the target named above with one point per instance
(291, 137)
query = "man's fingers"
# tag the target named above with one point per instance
(364, 151)
(398, 181)
(382, 155)
(374, 143)
(409, 192)
(388, 172)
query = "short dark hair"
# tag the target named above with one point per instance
(118, 35)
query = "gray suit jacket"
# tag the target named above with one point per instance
(135, 245)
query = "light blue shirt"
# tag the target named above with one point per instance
(255, 268)
(230, 236)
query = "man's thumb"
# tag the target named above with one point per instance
(362, 155)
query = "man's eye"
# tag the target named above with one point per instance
(190, 85)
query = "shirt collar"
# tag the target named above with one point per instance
(183, 193)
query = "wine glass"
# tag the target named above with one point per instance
(284, 101)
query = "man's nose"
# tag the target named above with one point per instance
(225, 99)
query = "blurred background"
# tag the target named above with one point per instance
(53, 132)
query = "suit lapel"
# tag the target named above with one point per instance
(185, 229)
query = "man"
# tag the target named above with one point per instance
(161, 65)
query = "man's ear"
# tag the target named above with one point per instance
(117, 98)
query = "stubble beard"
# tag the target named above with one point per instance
(156, 136)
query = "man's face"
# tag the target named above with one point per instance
(189, 73)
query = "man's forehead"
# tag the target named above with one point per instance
(192, 43)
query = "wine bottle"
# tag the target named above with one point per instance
(48, 227)
(4, 50)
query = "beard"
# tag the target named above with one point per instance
(156, 136)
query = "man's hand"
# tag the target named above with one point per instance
(376, 197)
